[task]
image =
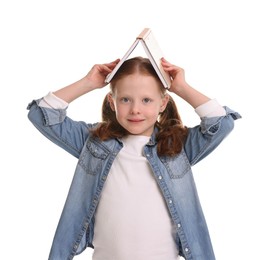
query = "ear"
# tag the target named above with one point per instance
(165, 100)
(111, 101)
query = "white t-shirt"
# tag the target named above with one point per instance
(132, 221)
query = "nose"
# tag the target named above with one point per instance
(135, 108)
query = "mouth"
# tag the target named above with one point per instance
(135, 120)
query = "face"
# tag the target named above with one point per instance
(137, 101)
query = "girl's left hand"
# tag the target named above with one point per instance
(177, 74)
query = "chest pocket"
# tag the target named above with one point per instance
(177, 166)
(93, 157)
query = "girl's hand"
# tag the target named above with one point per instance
(94, 79)
(96, 76)
(177, 74)
(180, 87)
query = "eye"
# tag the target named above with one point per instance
(146, 100)
(124, 100)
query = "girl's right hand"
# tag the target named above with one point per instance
(96, 76)
(94, 79)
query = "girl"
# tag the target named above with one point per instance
(133, 196)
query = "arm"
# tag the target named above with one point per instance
(93, 80)
(48, 114)
(216, 121)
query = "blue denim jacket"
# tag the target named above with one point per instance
(173, 175)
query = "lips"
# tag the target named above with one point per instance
(135, 120)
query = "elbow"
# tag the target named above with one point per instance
(35, 114)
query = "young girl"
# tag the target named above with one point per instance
(133, 196)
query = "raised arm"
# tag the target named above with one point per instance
(181, 88)
(93, 80)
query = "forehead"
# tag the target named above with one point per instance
(138, 84)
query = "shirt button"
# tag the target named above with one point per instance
(178, 225)
(148, 155)
(170, 201)
(160, 177)
(186, 249)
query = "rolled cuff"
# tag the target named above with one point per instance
(210, 109)
(52, 101)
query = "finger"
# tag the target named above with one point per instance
(113, 63)
(104, 68)
(165, 62)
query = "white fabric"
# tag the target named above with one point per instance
(132, 221)
(52, 101)
(210, 109)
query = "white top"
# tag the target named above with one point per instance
(132, 221)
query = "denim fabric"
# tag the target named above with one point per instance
(173, 175)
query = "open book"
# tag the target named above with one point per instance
(153, 52)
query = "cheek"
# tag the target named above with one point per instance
(152, 113)
(156, 109)
(120, 110)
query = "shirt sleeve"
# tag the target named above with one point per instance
(210, 109)
(52, 101)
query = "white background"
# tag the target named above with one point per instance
(46, 45)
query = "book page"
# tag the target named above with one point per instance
(110, 76)
(155, 54)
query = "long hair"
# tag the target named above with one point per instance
(171, 131)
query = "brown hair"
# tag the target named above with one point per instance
(171, 131)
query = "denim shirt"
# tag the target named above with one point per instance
(95, 157)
